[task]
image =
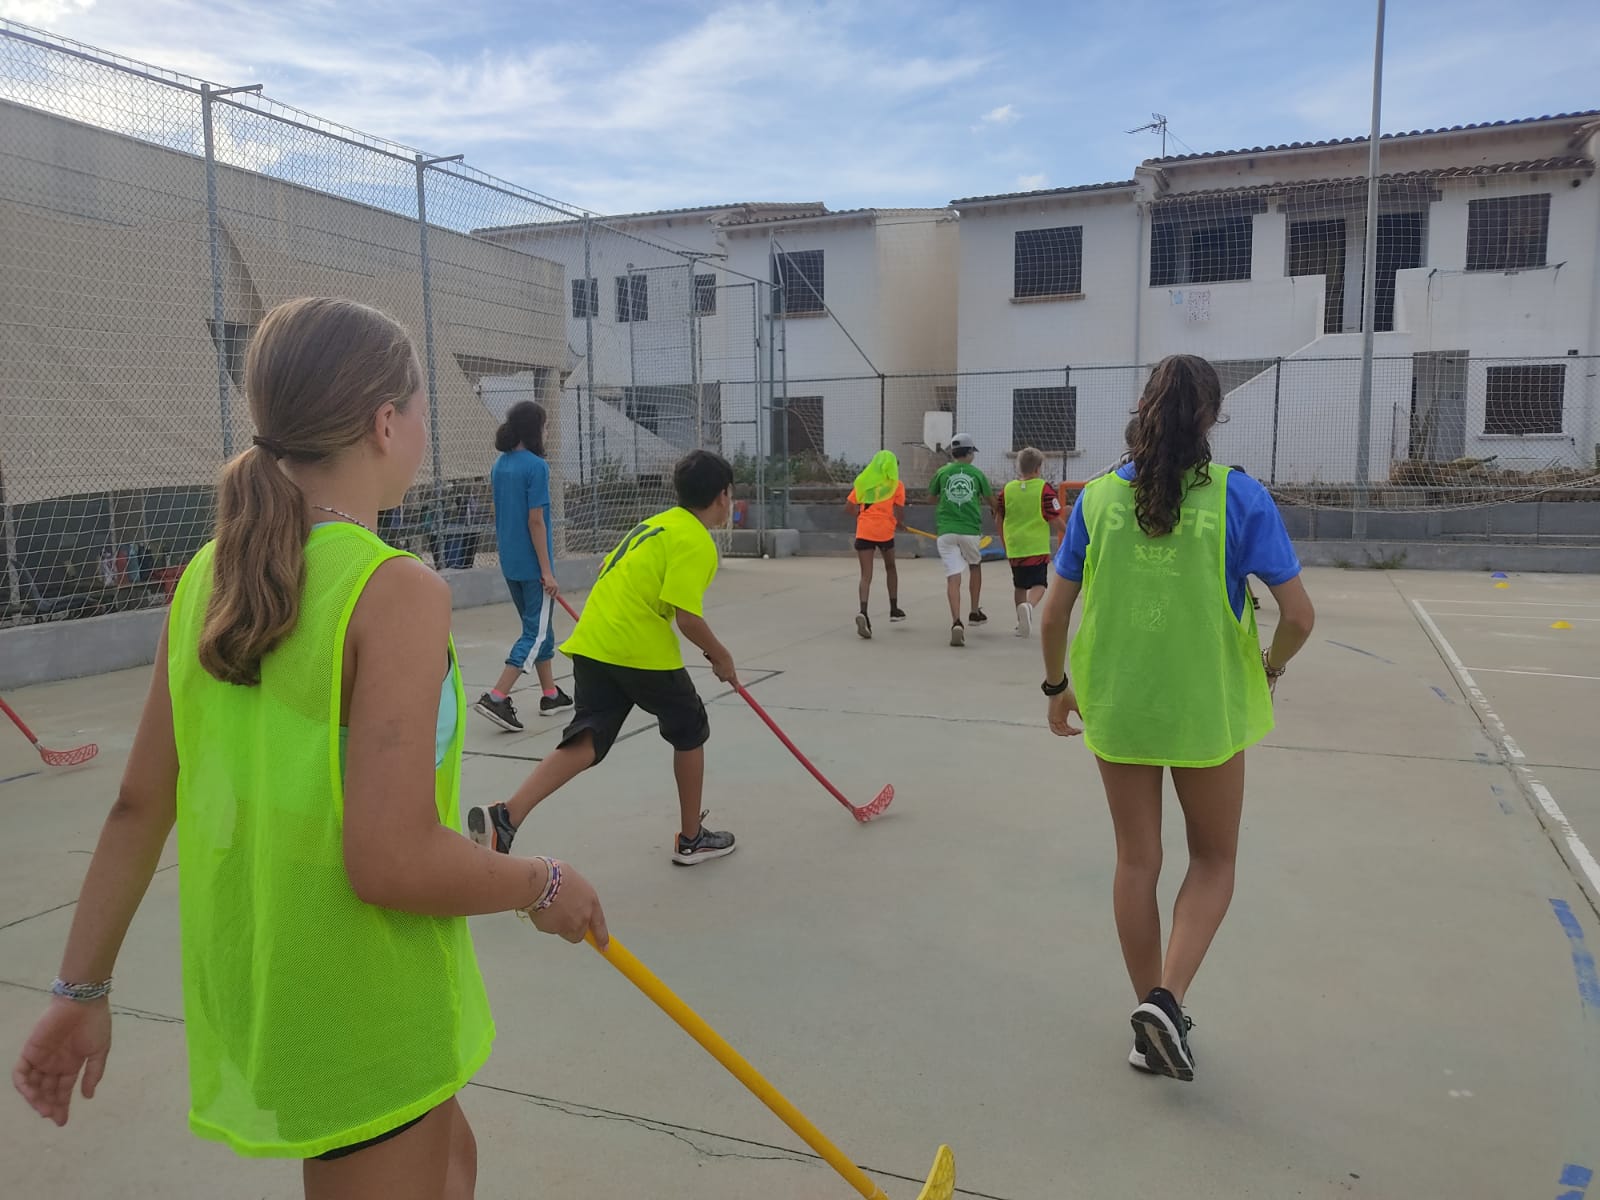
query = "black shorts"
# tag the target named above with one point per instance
(868, 544)
(603, 695)
(343, 1151)
(1024, 578)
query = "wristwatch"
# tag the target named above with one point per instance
(1053, 689)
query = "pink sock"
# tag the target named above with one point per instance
(496, 694)
(550, 693)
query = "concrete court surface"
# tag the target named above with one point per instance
(1402, 1002)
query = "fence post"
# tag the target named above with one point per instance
(755, 399)
(1277, 392)
(219, 336)
(591, 287)
(427, 342)
(9, 532)
(781, 295)
(883, 436)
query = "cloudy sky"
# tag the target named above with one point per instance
(663, 103)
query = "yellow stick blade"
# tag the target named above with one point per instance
(941, 1183)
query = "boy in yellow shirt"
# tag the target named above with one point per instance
(625, 652)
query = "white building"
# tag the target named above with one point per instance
(866, 340)
(1488, 301)
(661, 339)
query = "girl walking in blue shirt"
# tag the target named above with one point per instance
(523, 533)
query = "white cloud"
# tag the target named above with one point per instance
(42, 12)
(1032, 183)
(1006, 114)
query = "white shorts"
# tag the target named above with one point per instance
(958, 551)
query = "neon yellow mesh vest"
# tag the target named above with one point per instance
(1026, 531)
(1163, 671)
(314, 1020)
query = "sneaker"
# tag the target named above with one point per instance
(1024, 619)
(1165, 1027)
(976, 617)
(502, 712)
(958, 634)
(863, 626)
(896, 613)
(708, 843)
(1139, 1056)
(490, 826)
(550, 705)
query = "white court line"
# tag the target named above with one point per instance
(1470, 616)
(1515, 603)
(1559, 826)
(1542, 674)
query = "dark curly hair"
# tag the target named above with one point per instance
(1168, 439)
(523, 426)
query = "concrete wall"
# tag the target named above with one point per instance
(32, 654)
(108, 373)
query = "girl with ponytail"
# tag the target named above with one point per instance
(1168, 674)
(303, 730)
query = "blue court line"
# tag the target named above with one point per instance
(1582, 961)
(1577, 1178)
(24, 775)
(1359, 650)
(1441, 693)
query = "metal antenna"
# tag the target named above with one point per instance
(1158, 124)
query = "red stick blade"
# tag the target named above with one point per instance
(876, 808)
(69, 758)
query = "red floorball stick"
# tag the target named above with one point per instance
(54, 758)
(861, 812)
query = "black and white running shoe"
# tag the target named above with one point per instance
(705, 845)
(1139, 1056)
(1165, 1027)
(550, 706)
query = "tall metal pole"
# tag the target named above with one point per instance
(219, 328)
(1369, 293)
(694, 356)
(592, 292)
(632, 406)
(755, 398)
(427, 342)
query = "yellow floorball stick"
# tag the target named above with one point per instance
(983, 543)
(941, 1183)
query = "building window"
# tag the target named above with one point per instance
(1045, 418)
(1524, 399)
(1507, 232)
(585, 298)
(1048, 262)
(1185, 250)
(797, 428)
(633, 297)
(799, 274)
(705, 295)
(233, 341)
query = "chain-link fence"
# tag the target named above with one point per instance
(148, 221)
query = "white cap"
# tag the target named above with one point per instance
(963, 441)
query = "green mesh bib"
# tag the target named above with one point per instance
(1163, 671)
(313, 1020)
(1026, 532)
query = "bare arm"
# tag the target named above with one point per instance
(697, 631)
(74, 1037)
(541, 549)
(1059, 602)
(1054, 618)
(131, 840)
(397, 853)
(1296, 616)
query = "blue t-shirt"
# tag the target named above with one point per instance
(1258, 543)
(520, 481)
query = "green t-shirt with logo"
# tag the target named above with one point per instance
(961, 490)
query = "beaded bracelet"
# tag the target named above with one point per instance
(552, 887)
(83, 993)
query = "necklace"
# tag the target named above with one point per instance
(344, 515)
